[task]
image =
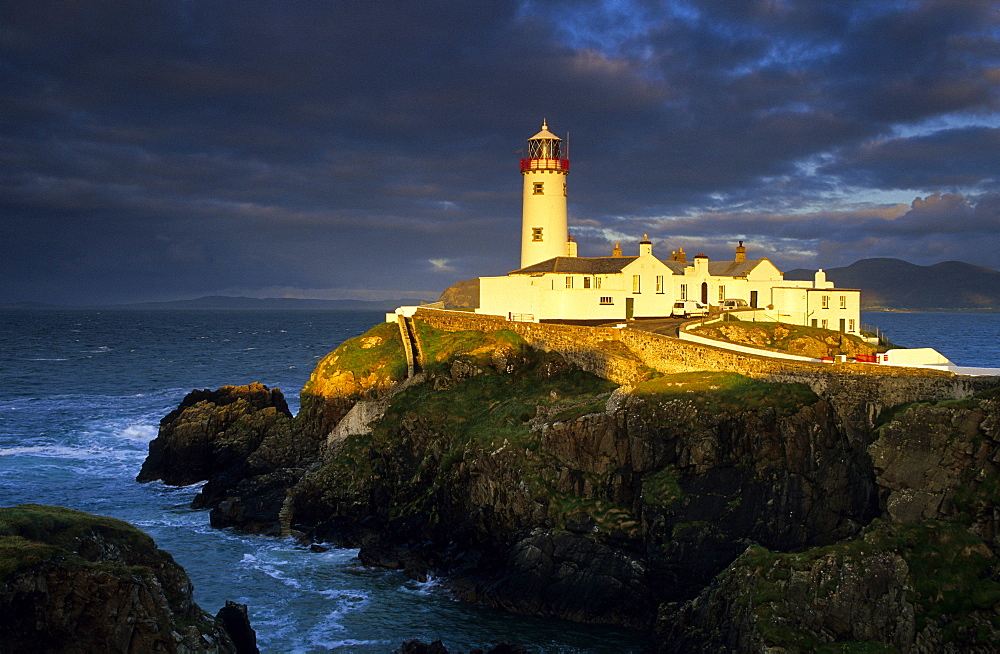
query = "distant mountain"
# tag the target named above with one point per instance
(248, 303)
(898, 284)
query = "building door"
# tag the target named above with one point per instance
(843, 324)
(753, 299)
(704, 292)
(629, 308)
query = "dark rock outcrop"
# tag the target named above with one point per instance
(240, 439)
(212, 432)
(437, 647)
(74, 582)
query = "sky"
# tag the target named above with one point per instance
(365, 149)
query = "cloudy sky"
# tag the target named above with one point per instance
(368, 149)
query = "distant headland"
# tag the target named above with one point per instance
(236, 303)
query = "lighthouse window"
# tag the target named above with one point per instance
(564, 189)
(536, 233)
(538, 187)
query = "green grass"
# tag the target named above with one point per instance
(661, 488)
(32, 533)
(439, 348)
(377, 351)
(779, 336)
(726, 392)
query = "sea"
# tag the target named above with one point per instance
(82, 392)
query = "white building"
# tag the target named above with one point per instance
(553, 284)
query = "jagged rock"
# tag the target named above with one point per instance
(74, 582)
(236, 622)
(416, 646)
(212, 432)
(759, 604)
(574, 578)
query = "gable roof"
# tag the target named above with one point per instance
(610, 265)
(732, 268)
(577, 265)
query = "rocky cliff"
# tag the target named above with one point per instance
(678, 503)
(74, 582)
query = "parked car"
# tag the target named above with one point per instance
(688, 308)
(733, 303)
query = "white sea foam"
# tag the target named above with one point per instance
(139, 433)
(58, 451)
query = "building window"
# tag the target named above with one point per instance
(684, 291)
(659, 283)
(722, 293)
(823, 323)
(635, 284)
(586, 282)
(826, 301)
(850, 325)
(536, 233)
(843, 301)
(597, 282)
(537, 188)
(606, 300)
(569, 281)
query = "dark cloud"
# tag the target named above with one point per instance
(162, 149)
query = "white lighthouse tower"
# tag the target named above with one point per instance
(544, 233)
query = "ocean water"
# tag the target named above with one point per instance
(967, 339)
(81, 396)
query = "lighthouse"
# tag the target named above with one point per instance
(544, 233)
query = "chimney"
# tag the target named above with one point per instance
(701, 264)
(571, 247)
(645, 246)
(741, 253)
(819, 280)
(679, 256)
(617, 251)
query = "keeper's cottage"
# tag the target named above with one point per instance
(554, 284)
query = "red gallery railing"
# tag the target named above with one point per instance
(544, 164)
